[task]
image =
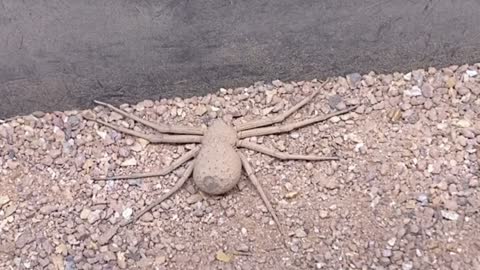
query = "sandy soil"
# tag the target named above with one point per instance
(404, 194)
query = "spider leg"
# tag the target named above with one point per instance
(177, 163)
(280, 155)
(161, 138)
(279, 118)
(156, 126)
(256, 183)
(165, 196)
(291, 126)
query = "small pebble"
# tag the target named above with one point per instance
(129, 162)
(323, 214)
(450, 215)
(127, 213)
(300, 233)
(147, 217)
(4, 199)
(472, 73)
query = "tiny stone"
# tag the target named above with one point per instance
(392, 242)
(123, 152)
(24, 239)
(242, 247)
(471, 73)
(379, 106)
(122, 264)
(413, 92)
(127, 213)
(85, 213)
(4, 199)
(106, 236)
(38, 114)
(179, 247)
(422, 198)
(194, 198)
(94, 216)
(473, 183)
(353, 78)
(291, 195)
(137, 147)
(300, 233)
(407, 266)
(129, 162)
(387, 253)
(277, 83)
(451, 82)
(451, 205)
(162, 109)
(230, 212)
(335, 119)
(341, 106)
(414, 229)
(12, 164)
(427, 90)
(147, 217)
(47, 209)
(323, 214)
(201, 110)
(294, 135)
(160, 260)
(443, 185)
(450, 215)
(463, 123)
(148, 103)
(334, 100)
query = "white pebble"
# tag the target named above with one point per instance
(295, 135)
(4, 200)
(472, 73)
(392, 241)
(450, 215)
(129, 162)
(407, 266)
(414, 92)
(127, 213)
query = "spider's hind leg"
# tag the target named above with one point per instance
(165, 196)
(164, 171)
(161, 138)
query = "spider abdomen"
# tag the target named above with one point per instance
(217, 169)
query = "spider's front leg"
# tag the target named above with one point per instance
(283, 116)
(280, 155)
(291, 126)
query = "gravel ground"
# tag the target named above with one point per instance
(404, 195)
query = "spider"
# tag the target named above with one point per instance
(217, 164)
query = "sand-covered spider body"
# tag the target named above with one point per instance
(218, 175)
(218, 163)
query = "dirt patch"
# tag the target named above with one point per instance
(404, 195)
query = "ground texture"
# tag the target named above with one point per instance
(404, 195)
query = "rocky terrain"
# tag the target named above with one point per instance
(405, 193)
